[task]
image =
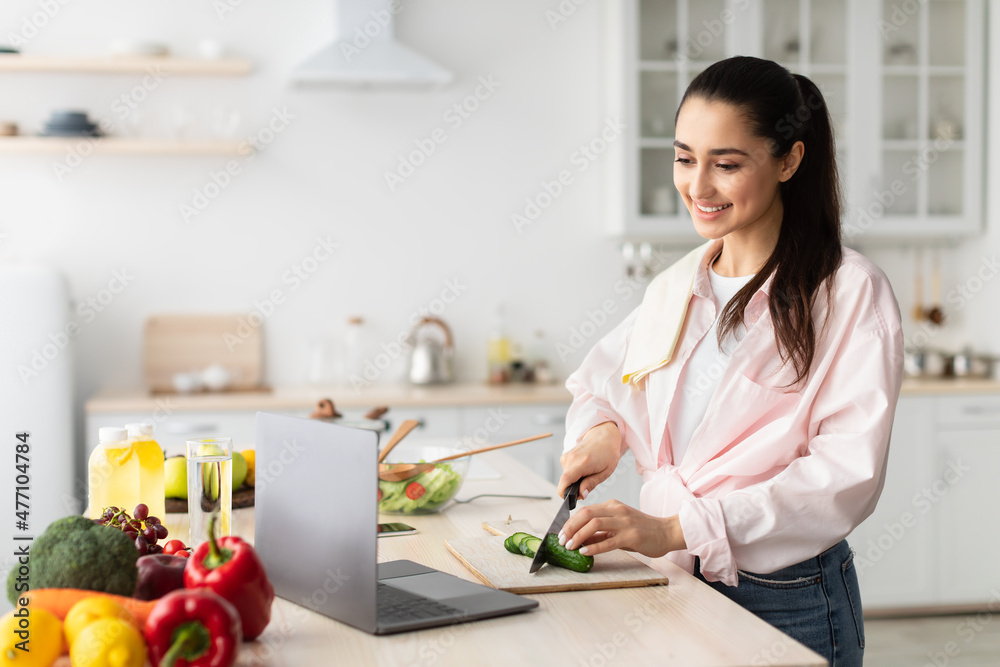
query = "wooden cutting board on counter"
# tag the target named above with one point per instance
(190, 343)
(486, 557)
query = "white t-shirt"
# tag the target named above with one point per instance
(704, 368)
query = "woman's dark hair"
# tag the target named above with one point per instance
(785, 108)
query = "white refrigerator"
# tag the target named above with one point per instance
(37, 451)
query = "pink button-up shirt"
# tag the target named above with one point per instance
(773, 475)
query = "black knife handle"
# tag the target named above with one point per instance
(572, 493)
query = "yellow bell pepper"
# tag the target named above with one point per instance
(108, 642)
(30, 638)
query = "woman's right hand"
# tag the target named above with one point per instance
(594, 459)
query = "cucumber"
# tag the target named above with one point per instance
(513, 543)
(529, 546)
(558, 555)
(526, 544)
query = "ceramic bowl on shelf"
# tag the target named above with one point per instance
(71, 123)
(429, 491)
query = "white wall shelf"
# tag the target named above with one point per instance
(124, 65)
(118, 146)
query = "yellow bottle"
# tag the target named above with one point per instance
(150, 468)
(113, 474)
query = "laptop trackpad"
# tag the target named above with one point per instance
(436, 585)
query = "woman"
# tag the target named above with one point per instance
(757, 381)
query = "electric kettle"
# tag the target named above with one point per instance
(431, 360)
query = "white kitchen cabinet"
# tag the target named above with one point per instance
(906, 94)
(969, 539)
(502, 423)
(895, 556)
(933, 538)
(968, 462)
(434, 422)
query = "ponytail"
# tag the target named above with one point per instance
(785, 108)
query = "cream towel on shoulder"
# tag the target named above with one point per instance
(658, 324)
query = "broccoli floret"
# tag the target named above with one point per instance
(75, 552)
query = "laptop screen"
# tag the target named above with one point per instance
(316, 515)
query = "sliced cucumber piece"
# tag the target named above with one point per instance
(513, 545)
(529, 546)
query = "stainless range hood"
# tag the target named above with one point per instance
(366, 52)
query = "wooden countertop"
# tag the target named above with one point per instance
(402, 395)
(685, 623)
(305, 398)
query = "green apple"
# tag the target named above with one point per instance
(209, 449)
(239, 470)
(175, 479)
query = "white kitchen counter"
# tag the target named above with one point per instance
(401, 395)
(301, 398)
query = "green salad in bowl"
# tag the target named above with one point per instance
(429, 491)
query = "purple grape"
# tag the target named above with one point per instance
(161, 531)
(141, 511)
(152, 521)
(150, 534)
(155, 549)
(141, 545)
(131, 534)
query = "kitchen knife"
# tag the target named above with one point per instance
(572, 491)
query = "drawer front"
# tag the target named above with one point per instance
(498, 424)
(434, 422)
(970, 412)
(507, 422)
(172, 429)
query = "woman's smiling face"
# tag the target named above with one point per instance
(725, 174)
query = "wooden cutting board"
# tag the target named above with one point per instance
(189, 343)
(486, 557)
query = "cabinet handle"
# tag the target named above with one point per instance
(389, 426)
(545, 420)
(981, 410)
(188, 428)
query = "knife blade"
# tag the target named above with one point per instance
(572, 492)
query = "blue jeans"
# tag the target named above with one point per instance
(816, 602)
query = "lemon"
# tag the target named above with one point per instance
(108, 642)
(251, 459)
(45, 639)
(86, 611)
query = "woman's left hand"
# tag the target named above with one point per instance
(615, 525)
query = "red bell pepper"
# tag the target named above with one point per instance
(195, 628)
(231, 568)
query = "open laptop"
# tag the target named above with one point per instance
(316, 529)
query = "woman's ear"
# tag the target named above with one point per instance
(790, 163)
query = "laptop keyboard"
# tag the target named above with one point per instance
(395, 604)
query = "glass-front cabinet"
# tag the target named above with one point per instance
(903, 81)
